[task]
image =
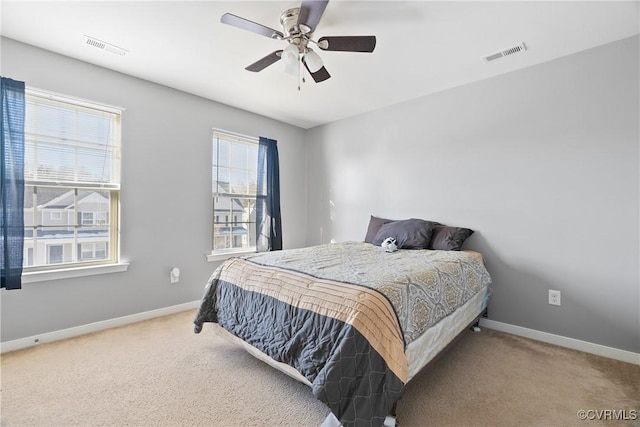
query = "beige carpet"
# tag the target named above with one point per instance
(158, 373)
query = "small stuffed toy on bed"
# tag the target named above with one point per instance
(389, 244)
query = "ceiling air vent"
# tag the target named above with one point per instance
(107, 47)
(505, 52)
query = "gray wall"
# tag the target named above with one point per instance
(166, 194)
(543, 163)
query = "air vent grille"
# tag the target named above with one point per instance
(505, 52)
(107, 47)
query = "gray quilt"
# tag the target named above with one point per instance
(422, 285)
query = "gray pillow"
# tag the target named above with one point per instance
(449, 238)
(374, 225)
(409, 233)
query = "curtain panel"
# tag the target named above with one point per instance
(12, 181)
(268, 219)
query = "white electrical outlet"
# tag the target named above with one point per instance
(554, 297)
(174, 275)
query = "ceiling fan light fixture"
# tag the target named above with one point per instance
(292, 68)
(290, 53)
(313, 61)
(291, 59)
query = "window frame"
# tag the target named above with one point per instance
(77, 267)
(230, 218)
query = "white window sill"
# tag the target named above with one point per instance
(68, 273)
(221, 256)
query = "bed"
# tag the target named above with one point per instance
(349, 319)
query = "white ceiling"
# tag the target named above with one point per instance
(422, 46)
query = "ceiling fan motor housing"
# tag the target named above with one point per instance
(289, 22)
(296, 34)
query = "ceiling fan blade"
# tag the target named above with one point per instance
(348, 43)
(254, 27)
(319, 76)
(310, 12)
(263, 63)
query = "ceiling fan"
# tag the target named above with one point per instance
(298, 25)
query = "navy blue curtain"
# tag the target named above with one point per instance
(268, 220)
(12, 176)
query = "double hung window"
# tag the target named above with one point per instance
(234, 184)
(72, 182)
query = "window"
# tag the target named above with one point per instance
(56, 254)
(234, 184)
(93, 250)
(72, 182)
(93, 218)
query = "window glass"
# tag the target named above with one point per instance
(72, 181)
(234, 182)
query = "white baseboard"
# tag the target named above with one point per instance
(587, 347)
(93, 327)
(559, 340)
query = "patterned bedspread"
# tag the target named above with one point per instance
(341, 314)
(423, 286)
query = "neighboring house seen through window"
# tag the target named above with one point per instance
(72, 182)
(234, 184)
